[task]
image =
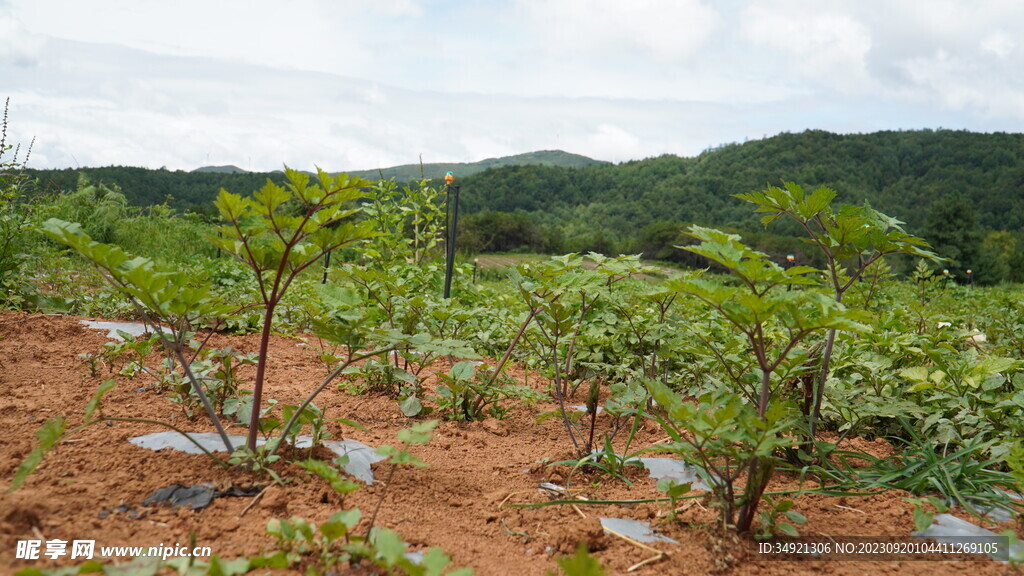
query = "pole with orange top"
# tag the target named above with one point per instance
(451, 221)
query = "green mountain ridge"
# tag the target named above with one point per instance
(961, 191)
(900, 173)
(943, 184)
(197, 189)
(436, 171)
(227, 169)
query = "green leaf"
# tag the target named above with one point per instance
(333, 530)
(97, 398)
(672, 488)
(400, 457)
(787, 529)
(418, 433)
(338, 296)
(922, 518)
(347, 517)
(581, 563)
(277, 560)
(795, 517)
(333, 476)
(411, 406)
(434, 561)
(816, 203)
(233, 567)
(917, 373)
(921, 387)
(350, 423)
(389, 545)
(49, 435)
(464, 370)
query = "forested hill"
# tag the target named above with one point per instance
(196, 190)
(436, 171)
(962, 191)
(900, 173)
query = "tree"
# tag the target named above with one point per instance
(993, 264)
(494, 231)
(953, 232)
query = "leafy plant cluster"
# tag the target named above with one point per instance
(16, 215)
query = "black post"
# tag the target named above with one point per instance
(453, 224)
(327, 266)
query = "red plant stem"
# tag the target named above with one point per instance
(261, 368)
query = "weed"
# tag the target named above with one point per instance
(16, 216)
(770, 523)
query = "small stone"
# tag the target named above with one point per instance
(495, 427)
(275, 499)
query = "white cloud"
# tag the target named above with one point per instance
(999, 43)
(318, 35)
(608, 140)
(670, 30)
(18, 46)
(822, 47)
(358, 85)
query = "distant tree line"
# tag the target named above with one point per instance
(191, 191)
(962, 191)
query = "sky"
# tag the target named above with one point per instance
(357, 85)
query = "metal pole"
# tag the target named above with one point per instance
(327, 266)
(453, 225)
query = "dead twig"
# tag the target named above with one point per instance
(658, 553)
(255, 499)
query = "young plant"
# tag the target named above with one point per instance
(415, 435)
(723, 437)
(843, 235)
(323, 549)
(625, 406)
(780, 517)
(726, 434)
(280, 232)
(318, 549)
(561, 296)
